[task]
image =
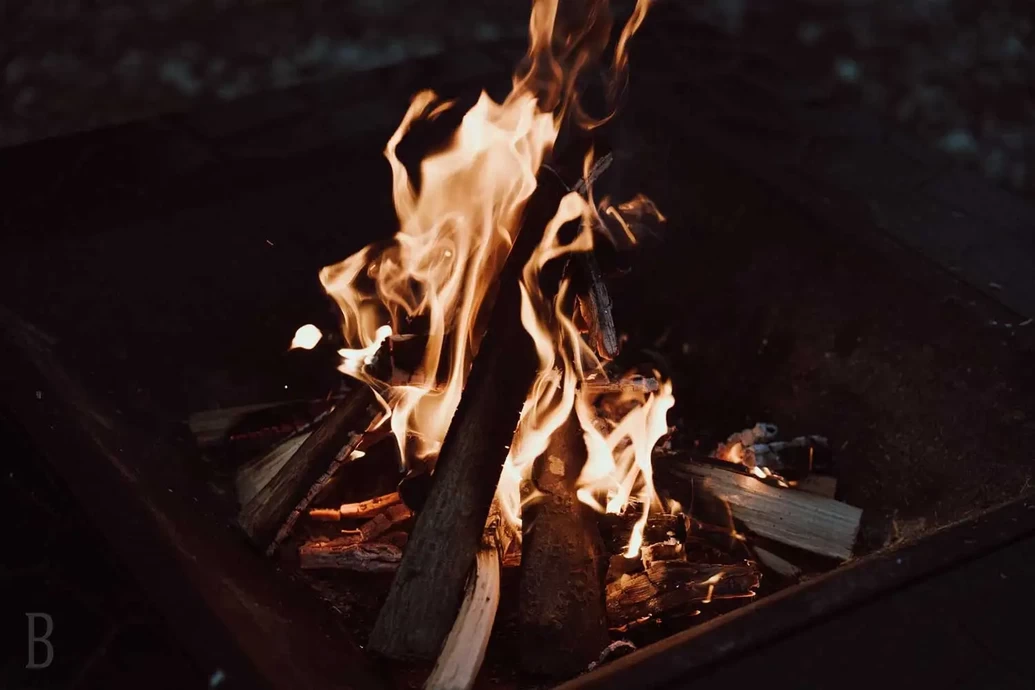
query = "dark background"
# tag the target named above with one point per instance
(955, 72)
(955, 75)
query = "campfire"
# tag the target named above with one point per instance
(483, 355)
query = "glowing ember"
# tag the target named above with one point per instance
(435, 280)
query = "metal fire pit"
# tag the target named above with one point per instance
(789, 289)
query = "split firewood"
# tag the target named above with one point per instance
(630, 384)
(370, 506)
(325, 514)
(819, 484)
(796, 518)
(428, 588)
(561, 609)
(362, 509)
(342, 554)
(340, 432)
(780, 566)
(211, 427)
(464, 650)
(256, 474)
(380, 523)
(675, 586)
(356, 550)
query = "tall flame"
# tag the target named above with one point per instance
(436, 278)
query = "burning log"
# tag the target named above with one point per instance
(336, 436)
(427, 590)
(669, 586)
(342, 554)
(796, 518)
(464, 649)
(561, 610)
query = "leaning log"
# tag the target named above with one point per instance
(261, 517)
(796, 518)
(674, 586)
(561, 609)
(427, 590)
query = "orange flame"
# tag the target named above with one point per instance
(436, 277)
(306, 337)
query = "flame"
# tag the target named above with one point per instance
(306, 337)
(435, 280)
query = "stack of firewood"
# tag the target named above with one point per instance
(442, 533)
(681, 566)
(576, 583)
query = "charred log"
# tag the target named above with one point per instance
(342, 554)
(594, 306)
(561, 609)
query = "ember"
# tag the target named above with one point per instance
(539, 455)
